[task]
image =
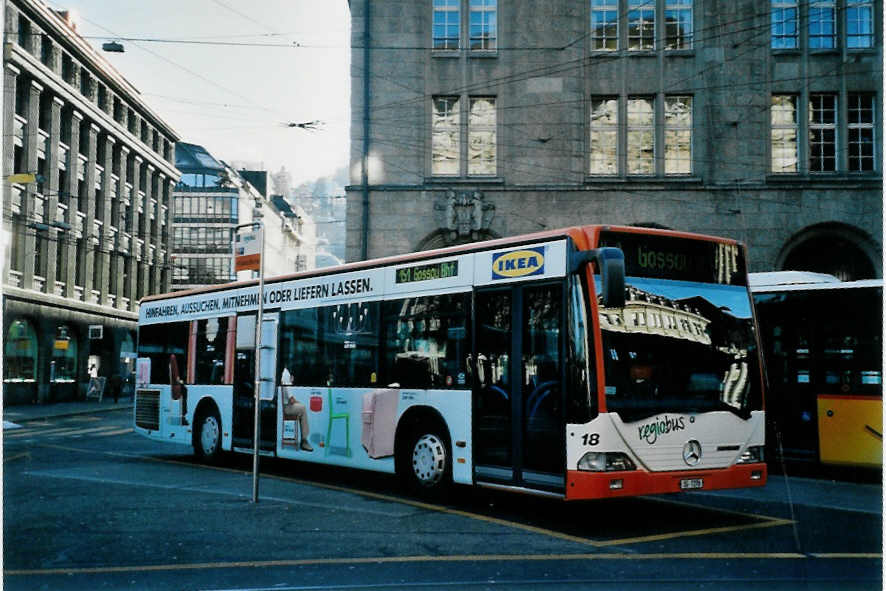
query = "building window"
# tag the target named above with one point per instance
(641, 135)
(641, 25)
(46, 51)
(822, 25)
(861, 132)
(822, 133)
(783, 121)
(678, 24)
(784, 24)
(482, 25)
(445, 146)
(678, 135)
(20, 352)
(447, 24)
(482, 137)
(604, 24)
(24, 32)
(604, 136)
(859, 24)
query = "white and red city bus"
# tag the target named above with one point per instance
(587, 362)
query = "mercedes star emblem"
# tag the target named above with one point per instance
(692, 452)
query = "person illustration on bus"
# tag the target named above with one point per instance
(294, 410)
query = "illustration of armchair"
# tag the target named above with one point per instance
(379, 422)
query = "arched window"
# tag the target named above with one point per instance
(64, 355)
(20, 352)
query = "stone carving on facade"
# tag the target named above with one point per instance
(462, 215)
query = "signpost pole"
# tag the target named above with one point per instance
(248, 257)
(258, 349)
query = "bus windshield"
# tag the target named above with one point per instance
(680, 347)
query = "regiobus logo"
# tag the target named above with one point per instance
(518, 263)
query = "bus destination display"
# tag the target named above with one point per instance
(427, 272)
(676, 258)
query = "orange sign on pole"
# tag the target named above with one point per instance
(247, 250)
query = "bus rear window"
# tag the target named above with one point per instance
(158, 342)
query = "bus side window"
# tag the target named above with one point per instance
(211, 340)
(425, 342)
(159, 341)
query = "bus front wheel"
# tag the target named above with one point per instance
(207, 435)
(424, 461)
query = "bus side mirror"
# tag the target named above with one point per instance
(611, 265)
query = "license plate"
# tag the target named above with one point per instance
(691, 483)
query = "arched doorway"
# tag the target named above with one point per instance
(836, 249)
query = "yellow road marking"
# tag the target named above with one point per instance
(65, 432)
(770, 522)
(117, 432)
(26, 454)
(448, 558)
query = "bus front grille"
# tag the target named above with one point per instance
(147, 409)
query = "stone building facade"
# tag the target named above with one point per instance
(88, 173)
(756, 121)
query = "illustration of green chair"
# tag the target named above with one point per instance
(333, 416)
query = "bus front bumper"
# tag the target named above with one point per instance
(600, 485)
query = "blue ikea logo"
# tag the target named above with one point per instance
(518, 263)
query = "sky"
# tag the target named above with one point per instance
(230, 74)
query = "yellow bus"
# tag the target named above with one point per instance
(823, 349)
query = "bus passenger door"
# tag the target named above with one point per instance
(244, 382)
(519, 429)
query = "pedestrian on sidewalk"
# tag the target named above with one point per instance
(115, 383)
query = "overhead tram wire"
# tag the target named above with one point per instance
(177, 65)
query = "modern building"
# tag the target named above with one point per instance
(88, 173)
(210, 201)
(759, 121)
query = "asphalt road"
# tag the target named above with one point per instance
(87, 504)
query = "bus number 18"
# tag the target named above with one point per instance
(590, 439)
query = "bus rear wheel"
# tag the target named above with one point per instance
(424, 462)
(207, 435)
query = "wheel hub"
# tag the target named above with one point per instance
(429, 460)
(209, 435)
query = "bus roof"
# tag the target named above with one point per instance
(582, 235)
(773, 281)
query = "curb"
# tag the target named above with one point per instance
(48, 414)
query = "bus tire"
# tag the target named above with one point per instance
(207, 434)
(424, 461)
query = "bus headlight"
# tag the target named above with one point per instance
(605, 462)
(752, 455)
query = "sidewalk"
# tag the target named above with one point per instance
(30, 412)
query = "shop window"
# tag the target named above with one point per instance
(63, 367)
(20, 352)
